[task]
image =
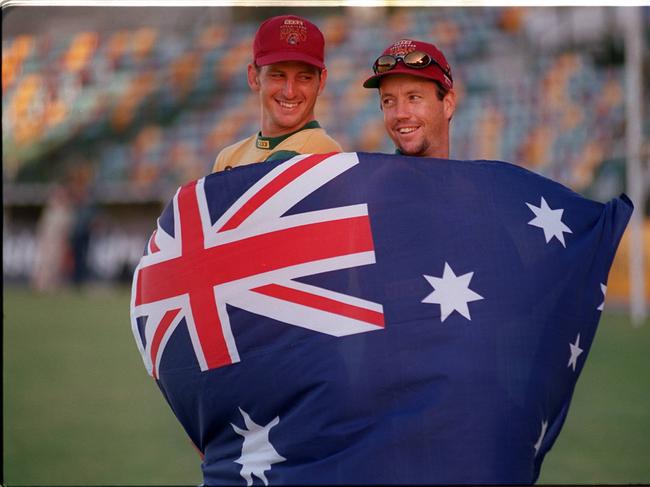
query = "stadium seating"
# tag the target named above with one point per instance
(159, 105)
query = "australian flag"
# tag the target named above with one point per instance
(362, 318)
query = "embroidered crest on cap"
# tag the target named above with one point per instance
(293, 31)
(402, 48)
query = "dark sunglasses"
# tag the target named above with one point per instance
(414, 60)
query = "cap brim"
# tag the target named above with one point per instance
(280, 57)
(373, 81)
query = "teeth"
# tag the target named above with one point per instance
(406, 130)
(287, 105)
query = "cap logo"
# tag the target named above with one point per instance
(402, 48)
(293, 31)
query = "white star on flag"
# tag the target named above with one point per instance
(451, 292)
(257, 453)
(550, 221)
(603, 289)
(575, 353)
(541, 437)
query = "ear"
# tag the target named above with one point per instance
(323, 80)
(253, 77)
(449, 104)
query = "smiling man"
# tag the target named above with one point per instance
(416, 96)
(288, 73)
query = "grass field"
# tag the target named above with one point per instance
(79, 408)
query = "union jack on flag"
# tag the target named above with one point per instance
(250, 258)
(482, 284)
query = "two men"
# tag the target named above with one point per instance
(288, 73)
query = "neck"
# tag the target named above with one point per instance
(272, 130)
(270, 142)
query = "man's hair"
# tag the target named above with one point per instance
(440, 91)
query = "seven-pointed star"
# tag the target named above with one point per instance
(451, 292)
(550, 221)
(575, 353)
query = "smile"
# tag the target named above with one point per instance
(288, 105)
(406, 130)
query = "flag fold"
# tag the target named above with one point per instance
(373, 319)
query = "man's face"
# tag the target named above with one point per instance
(288, 92)
(414, 117)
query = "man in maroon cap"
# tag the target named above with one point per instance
(288, 72)
(416, 96)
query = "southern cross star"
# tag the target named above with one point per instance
(603, 289)
(538, 445)
(451, 292)
(550, 221)
(575, 353)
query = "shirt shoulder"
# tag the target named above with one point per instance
(307, 141)
(234, 154)
(311, 141)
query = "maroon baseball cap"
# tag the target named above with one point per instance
(289, 38)
(438, 68)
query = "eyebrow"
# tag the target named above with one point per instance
(410, 92)
(280, 70)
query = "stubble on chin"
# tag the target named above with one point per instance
(416, 151)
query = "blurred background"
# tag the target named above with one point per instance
(106, 111)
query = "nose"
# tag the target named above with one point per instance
(401, 109)
(289, 88)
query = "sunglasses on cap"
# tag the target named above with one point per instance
(414, 60)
